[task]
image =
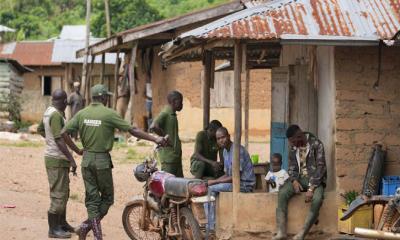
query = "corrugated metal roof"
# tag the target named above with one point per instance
(320, 19)
(6, 29)
(21, 68)
(254, 3)
(73, 32)
(64, 51)
(29, 53)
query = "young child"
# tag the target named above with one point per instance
(277, 177)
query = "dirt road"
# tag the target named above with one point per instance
(24, 184)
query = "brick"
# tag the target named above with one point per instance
(353, 153)
(370, 108)
(380, 123)
(393, 155)
(392, 139)
(350, 123)
(394, 108)
(352, 95)
(344, 138)
(368, 138)
(384, 94)
(349, 183)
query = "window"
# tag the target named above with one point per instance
(46, 86)
(222, 94)
(49, 84)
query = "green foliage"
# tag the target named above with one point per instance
(43, 19)
(350, 196)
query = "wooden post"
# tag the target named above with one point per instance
(208, 72)
(238, 116)
(246, 76)
(89, 78)
(131, 106)
(116, 78)
(85, 59)
(102, 73)
(108, 21)
(67, 88)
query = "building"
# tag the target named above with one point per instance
(187, 77)
(54, 66)
(11, 86)
(338, 76)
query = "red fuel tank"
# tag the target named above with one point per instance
(157, 183)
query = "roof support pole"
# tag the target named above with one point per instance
(208, 74)
(102, 73)
(238, 114)
(85, 59)
(132, 87)
(116, 79)
(246, 76)
(66, 87)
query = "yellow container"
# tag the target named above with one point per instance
(363, 217)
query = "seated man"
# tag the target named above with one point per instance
(307, 172)
(204, 162)
(224, 183)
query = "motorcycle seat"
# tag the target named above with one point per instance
(185, 187)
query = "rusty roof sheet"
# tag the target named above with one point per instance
(29, 53)
(305, 19)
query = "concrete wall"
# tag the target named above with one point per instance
(365, 115)
(256, 214)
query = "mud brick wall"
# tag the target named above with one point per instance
(365, 115)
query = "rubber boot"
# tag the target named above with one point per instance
(55, 230)
(310, 220)
(96, 227)
(281, 221)
(83, 229)
(64, 224)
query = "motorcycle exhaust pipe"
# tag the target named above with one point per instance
(376, 234)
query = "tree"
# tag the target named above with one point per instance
(125, 14)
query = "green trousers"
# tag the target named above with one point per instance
(98, 180)
(201, 170)
(58, 178)
(287, 191)
(173, 168)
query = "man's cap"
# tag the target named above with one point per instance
(77, 84)
(100, 90)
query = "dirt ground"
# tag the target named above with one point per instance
(24, 184)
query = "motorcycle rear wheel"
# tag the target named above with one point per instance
(189, 225)
(130, 220)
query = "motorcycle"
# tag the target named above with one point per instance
(170, 208)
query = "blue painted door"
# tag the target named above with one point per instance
(280, 113)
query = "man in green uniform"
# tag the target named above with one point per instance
(166, 124)
(96, 124)
(307, 172)
(204, 162)
(58, 161)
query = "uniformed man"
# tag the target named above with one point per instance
(204, 162)
(96, 124)
(165, 124)
(58, 161)
(307, 172)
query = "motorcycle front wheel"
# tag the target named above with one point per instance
(189, 225)
(130, 219)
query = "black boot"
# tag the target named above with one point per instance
(64, 224)
(83, 229)
(96, 227)
(55, 230)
